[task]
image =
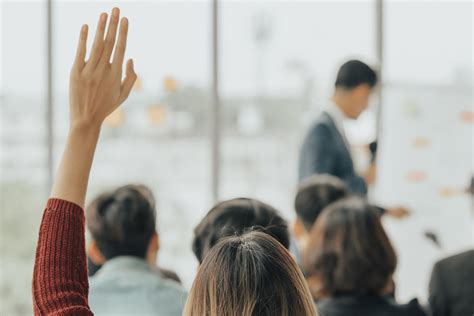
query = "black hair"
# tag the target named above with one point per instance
(236, 217)
(122, 222)
(314, 194)
(354, 73)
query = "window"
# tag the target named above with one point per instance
(279, 61)
(23, 149)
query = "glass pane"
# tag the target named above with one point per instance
(23, 148)
(159, 137)
(279, 61)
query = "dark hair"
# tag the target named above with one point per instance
(122, 222)
(349, 251)
(314, 194)
(248, 275)
(354, 73)
(238, 216)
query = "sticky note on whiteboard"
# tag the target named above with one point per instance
(421, 142)
(416, 176)
(467, 117)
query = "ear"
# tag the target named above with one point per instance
(155, 242)
(153, 247)
(314, 287)
(298, 229)
(95, 254)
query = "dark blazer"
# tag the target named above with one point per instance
(324, 151)
(351, 305)
(452, 286)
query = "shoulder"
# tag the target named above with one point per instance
(459, 261)
(320, 127)
(412, 308)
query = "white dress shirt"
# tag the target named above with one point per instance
(338, 117)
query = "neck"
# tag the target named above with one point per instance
(341, 102)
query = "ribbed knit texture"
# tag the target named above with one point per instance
(60, 284)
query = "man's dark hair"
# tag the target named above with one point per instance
(314, 194)
(122, 222)
(237, 217)
(348, 250)
(354, 73)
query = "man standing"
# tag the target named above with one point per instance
(325, 148)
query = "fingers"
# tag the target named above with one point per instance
(110, 38)
(98, 45)
(127, 84)
(81, 48)
(121, 45)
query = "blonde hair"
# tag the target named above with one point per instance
(248, 275)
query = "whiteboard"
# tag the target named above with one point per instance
(425, 162)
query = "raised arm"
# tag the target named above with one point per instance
(60, 285)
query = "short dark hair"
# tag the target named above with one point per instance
(122, 222)
(314, 194)
(236, 217)
(354, 73)
(349, 251)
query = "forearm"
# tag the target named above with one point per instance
(60, 285)
(73, 174)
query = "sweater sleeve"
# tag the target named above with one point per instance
(60, 284)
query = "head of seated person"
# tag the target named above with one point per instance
(348, 252)
(122, 223)
(249, 274)
(314, 194)
(235, 217)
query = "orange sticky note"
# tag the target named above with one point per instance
(416, 176)
(421, 142)
(467, 117)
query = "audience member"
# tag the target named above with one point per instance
(314, 194)
(451, 290)
(349, 263)
(238, 216)
(249, 274)
(125, 242)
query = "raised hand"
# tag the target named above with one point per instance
(96, 86)
(96, 90)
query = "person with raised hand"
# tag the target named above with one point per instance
(60, 285)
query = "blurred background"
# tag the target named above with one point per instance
(194, 137)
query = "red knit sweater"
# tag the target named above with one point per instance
(60, 285)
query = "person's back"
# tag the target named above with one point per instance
(122, 225)
(127, 286)
(452, 286)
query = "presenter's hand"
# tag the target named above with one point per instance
(96, 85)
(397, 212)
(371, 174)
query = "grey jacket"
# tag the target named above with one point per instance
(452, 286)
(127, 286)
(324, 151)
